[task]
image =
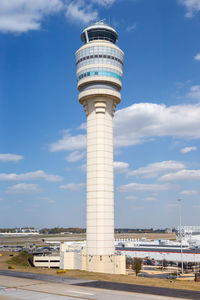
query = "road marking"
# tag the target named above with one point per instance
(27, 289)
(81, 293)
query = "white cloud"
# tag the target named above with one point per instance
(143, 187)
(83, 167)
(67, 169)
(51, 201)
(155, 169)
(120, 166)
(194, 92)
(189, 192)
(149, 120)
(130, 28)
(191, 6)
(69, 142)
(25, 15)
(47, 199)
(10, 157)
(83, 126)
(138, 208)
(197, 57)
(81, 11)
(117, 152)
(181, 175)
(104, 2)
(150, 199)
(29, 176)
(85, 11)
(131, 198)
(23, 188)
(72, 186)
(154, 194)
(75, 156)
(188, 149)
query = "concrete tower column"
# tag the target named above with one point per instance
(100, 194)
(99, 65)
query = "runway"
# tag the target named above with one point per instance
(19, 285)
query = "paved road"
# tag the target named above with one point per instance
(133, 288)
(44, 277)
(174, 293)
(12, 288)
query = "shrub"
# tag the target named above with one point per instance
(11, 267)
(129, 262)
(61, 271)
(137, 265)
(21, 259)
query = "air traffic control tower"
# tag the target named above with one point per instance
(99, 65)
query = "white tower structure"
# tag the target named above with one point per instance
(99, 64)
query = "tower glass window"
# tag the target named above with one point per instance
(99, 31)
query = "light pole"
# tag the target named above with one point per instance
(180, 232)
(177, 268)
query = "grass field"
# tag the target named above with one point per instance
(131, 279)
(17, 240)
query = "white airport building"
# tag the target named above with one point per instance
(72, 254)
(186, 248)
(21, 232)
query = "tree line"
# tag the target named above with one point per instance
(57, 230)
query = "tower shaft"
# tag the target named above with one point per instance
(100, 194)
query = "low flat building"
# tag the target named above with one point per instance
(46, 261)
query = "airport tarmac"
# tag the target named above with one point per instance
(12, 288)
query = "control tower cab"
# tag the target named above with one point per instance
(99, 63)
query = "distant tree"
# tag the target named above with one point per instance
(57, 230)
(129, 262)
(165, 263)
(137, 265)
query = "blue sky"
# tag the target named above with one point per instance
(156, 125)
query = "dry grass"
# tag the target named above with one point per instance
(17, 240)
(131, 279)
